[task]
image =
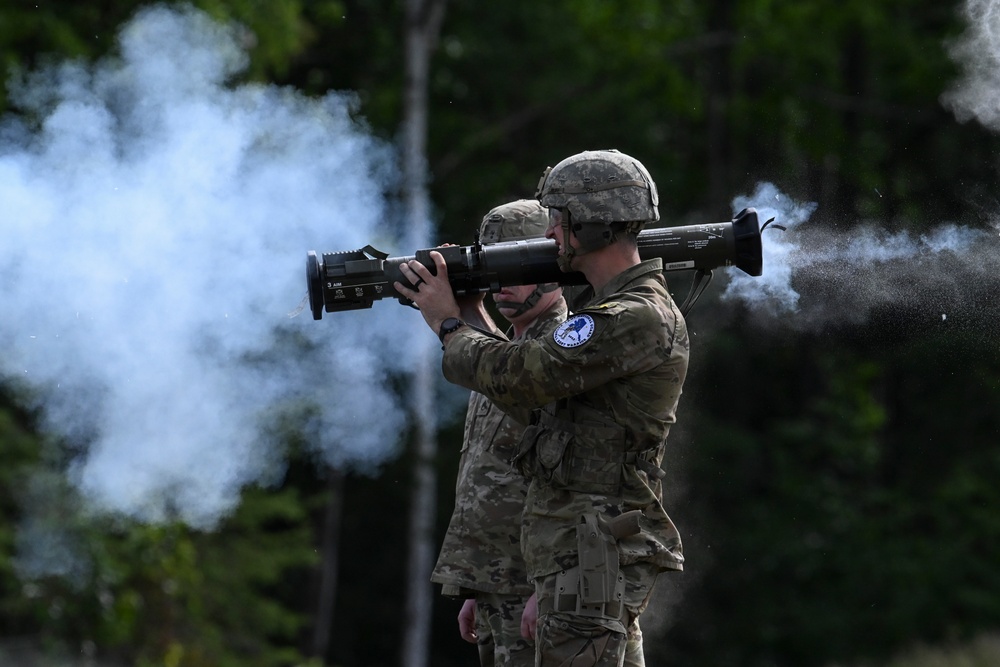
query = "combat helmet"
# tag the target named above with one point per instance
(604, 191)
(517, 220)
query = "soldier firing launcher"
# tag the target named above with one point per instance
(357, 278)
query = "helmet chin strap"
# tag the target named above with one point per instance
(565, 259)
(521, 307)
(584, 245)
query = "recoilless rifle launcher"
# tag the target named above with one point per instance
(357, 278)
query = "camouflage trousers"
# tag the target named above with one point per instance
(568, 639)
(498, 625)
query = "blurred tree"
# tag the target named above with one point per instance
(111, 589)
(31, 33)
(830, 511)
(20, 446)
(420, 34)
(839, 101)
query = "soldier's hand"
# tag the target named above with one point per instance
(433, 294)
(467, 621)
(529, 618)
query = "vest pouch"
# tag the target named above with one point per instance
(551, 451)
(592, 464)
(586, 458)
(540, 452)
(525, 458)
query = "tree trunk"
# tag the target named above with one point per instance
(423, 19)
(718, 94)
(329, 566)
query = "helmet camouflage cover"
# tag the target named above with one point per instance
(604, 186)
(521, 219)
(517, 220)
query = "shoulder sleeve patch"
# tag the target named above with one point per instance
(574, 332)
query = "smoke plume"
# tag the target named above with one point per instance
(977, 52)
(155, 224)
(816, 277)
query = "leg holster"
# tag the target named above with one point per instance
(595, 587)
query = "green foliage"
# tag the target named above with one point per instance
(146, 594)
(554, 98)
(850, 90)
(34, 33)
(830, 511)
(19, 446)
(153, 595)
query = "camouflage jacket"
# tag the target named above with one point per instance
(604, 386)
(482, 548)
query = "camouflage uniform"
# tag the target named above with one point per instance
(604, 386)
(481, 552)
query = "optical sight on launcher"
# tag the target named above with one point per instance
(357, 278)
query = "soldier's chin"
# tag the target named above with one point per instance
(507, 305)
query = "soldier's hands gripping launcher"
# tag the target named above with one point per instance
(357, 278)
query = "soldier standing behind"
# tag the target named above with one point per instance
(604, 386)
(480, 557)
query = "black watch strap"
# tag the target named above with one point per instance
(450, 325)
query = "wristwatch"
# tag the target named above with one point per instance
(450, 325)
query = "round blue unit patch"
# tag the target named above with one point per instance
(575, 331)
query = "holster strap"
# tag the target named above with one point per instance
(567, 599)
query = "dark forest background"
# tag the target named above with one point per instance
(836, 485)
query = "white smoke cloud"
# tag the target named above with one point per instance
(773, 288)
(977, 93)
(155, 223)
(814, 277)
